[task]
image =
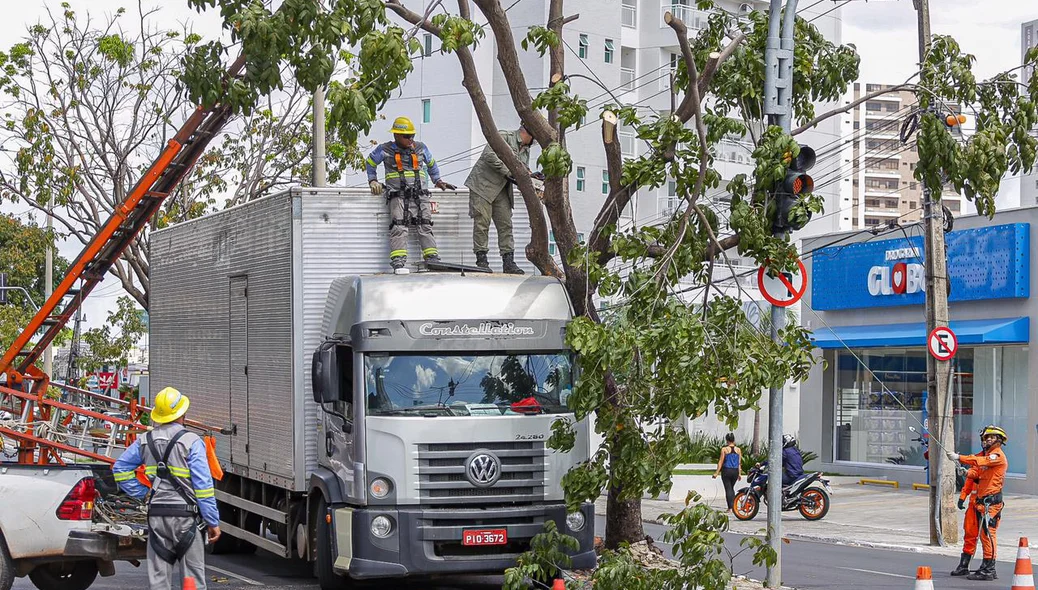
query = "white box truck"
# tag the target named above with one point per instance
(383, 425)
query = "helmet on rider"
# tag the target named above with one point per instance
(788, 440)
(995, 431)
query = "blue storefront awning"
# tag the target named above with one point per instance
(968, 332)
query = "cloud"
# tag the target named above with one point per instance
(425, 378)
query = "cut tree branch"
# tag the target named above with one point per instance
(848, 107)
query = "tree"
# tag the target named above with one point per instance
(90, 104)
(23, 249)
(110, 344)
(654, 358)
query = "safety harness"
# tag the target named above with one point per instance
(188, 509)
(412, 192)
(987, 521)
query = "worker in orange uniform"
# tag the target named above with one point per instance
(968, 502)
(991, 465)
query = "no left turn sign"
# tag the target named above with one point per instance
(942, 343)
(785, 289)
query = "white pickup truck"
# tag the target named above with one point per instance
(47, 528)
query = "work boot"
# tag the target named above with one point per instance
(986, 571)
(432, 258)
(964, 565)
(481, 260)
(399, 264)
(510, 267)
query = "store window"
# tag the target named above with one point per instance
(880, 393)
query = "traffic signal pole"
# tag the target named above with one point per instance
(778, 88)
(944, 528)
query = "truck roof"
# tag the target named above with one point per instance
(444, 296)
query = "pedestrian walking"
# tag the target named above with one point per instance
(729, 467)
(182, 495)
(491, 199)
(408, 163)
(991, 465)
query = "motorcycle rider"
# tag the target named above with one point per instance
(792, 461)
(991, 464)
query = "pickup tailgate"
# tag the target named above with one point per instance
(31, 497)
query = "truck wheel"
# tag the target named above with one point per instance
(64, 575)
(6, 566)
(326, 576)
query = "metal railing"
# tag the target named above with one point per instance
(629, 15)
(626, 78)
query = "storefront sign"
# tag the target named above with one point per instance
(983, 263)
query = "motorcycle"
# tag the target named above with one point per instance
(811, 500)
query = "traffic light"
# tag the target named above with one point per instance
(791, 190)
(954, 120)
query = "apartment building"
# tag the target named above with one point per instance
(883, 187)
(616, 50)
(1028, 182)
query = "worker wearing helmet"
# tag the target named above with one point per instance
(970, 523)
(408, 164)
(182, 491)
(991, 465)
(491, 198)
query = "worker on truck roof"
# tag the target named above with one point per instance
(182, 492)
(406, 162)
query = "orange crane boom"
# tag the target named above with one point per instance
(93, 262)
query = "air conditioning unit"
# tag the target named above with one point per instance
(745, 8)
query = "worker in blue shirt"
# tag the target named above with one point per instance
(408, 163)
(182, 492)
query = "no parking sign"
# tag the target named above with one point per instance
(942, 343)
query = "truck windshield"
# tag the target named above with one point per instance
(467, 385)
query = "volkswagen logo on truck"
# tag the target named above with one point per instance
(483, 469)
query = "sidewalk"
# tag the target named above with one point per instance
(863, 516)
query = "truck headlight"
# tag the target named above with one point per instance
(379, 487)
(381, 526)
(575, 521)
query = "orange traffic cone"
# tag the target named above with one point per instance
(1022, 575)
(923, 578)
(558, 584)
(190, 584)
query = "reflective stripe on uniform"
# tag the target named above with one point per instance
(206, 493)
(430, 251)
(396, 253)
(371, 162)
(123, 475)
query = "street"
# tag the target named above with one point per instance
(806, 565)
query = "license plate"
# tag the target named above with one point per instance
(484, 537)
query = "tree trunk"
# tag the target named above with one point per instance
(755, 448)
(624, 518)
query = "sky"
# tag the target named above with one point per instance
(883, 31)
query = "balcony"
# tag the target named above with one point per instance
(883, 172)
(693, 18)
(627, 78)
(629, 15)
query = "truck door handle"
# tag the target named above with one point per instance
(328, 444)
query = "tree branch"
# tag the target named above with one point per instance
(848, 107)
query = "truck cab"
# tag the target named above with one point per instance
(438, 392)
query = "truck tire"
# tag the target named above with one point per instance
(326, 576)
(64, 575)
(6, 566)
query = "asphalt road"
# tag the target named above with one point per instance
(805, 565)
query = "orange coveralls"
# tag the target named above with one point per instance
(970, 523)
(991, 466)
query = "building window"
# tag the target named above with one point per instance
(428, 45)
(426, 110)
(580, 178)
(552, 249)
(583, 46)
(878, 398)
(609, 51)
(605, 182)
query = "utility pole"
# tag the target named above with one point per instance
(944, 528)
(778, 88)
(320, 177)
(48, 288)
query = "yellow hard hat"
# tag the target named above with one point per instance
(997, 431)
(170, 405)
(403, 126)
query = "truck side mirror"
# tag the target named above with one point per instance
(324, 375)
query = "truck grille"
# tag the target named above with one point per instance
(442, 479)
(443, 528)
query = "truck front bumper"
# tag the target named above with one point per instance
(427, 541)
